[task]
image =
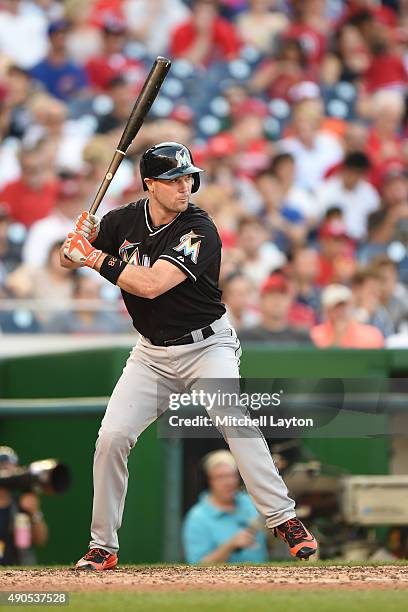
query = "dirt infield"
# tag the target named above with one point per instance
(182, 578)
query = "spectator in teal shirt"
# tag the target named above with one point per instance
(224, 526)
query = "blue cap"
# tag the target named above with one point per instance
(57, 26)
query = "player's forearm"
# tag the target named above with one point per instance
(136, 280)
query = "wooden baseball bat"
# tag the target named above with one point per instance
(142, 106)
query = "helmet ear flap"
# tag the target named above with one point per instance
(143, 172)
(196, 182)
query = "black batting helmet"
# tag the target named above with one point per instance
(169, 160)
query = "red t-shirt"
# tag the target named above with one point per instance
(228, 238)
(385, 71)
(379, 151)
(281, 85)
(313, 42)
(103, 10)
(301, 315)
(26, 205)
(102, 69)
(326, 272)
(225, 40)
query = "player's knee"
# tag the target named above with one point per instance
(114, 441)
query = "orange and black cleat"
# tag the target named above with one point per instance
(97, 559)
(301, 542)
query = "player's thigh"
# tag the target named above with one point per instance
(216, 373)
(139, 398)
(220, 358)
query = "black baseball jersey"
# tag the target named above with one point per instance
(190, 242)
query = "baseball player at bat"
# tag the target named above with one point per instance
(164, 253)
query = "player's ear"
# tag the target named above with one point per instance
(149, 184)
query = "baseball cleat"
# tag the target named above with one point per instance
(97, 559)
(301, 542)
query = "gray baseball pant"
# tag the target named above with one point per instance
(141, 395)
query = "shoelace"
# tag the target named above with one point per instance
(295, 528)
(96, 552)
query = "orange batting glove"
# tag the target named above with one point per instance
(88, 225)
(80, 251)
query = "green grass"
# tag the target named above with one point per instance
(239, 601)
(296, 600)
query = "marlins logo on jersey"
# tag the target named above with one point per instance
(129, 252)
(188, 247)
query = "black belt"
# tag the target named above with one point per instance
(186, 339)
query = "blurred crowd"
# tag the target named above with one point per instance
(297, 111)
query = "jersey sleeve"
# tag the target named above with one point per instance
(193, 248)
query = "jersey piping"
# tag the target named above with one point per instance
(153, 233)
(179, 264)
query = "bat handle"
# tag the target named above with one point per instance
(113, 166)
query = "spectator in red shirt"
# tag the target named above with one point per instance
(340, 328)
(310, 28)
(33, 195)
(276, 324)
(279, 74)
(384, 140)
(113, 62)
(206, 37)
(335, 253)
(386, 68)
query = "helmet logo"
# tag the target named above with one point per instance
(183, 158)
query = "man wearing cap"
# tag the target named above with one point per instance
(224, 525)
(165, 253)
(341, 329)
(276, 301)
(336, 251)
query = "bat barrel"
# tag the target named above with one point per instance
(142, 106)
(144, 101)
